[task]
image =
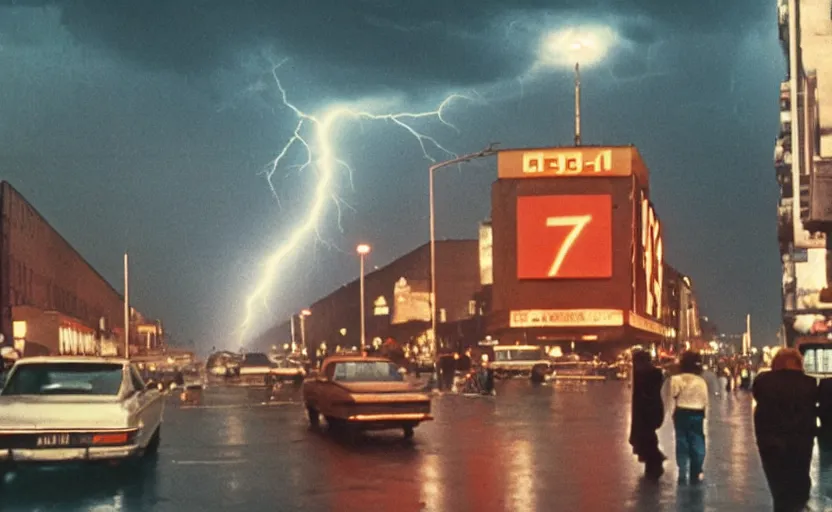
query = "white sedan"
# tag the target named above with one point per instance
(64, 409)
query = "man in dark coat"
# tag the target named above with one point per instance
(785, 423)
(647, 414)
(447, 370)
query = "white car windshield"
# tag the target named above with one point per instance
(64, 379)
(366, 371)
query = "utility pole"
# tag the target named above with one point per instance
(363, 250)
(577, 104)
(126, 307)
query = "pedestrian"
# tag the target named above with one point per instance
(785, 424)
(729, 378)
(647, 414)
(745, 378)
(689, 392)
(447, 370)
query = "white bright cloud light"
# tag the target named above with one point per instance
(586, 45)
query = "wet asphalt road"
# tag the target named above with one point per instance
(555, 447)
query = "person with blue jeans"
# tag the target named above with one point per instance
(690, 394)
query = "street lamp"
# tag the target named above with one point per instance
(464, 158)
(303, 315)
(362, 250)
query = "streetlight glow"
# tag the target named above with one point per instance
(362, 250)
(586, 45)
(305, 312)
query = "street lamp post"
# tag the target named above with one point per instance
(126, 307)
(303, 315)
(577, 104)
(439, 165)
(362, 250)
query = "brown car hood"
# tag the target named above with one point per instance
(378, 387)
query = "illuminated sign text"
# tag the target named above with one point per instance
(566, 162)
(566, 318)
(652, 259)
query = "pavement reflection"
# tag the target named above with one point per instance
(559, 446)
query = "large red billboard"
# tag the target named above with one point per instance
(564, 236)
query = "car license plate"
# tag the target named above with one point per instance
(53, 440)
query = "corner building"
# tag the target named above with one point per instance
(578, 251)
(573, 254)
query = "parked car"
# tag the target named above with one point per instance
(356, 393)
(258, 369)
(71, 409)
(224, 364)
(518, 360)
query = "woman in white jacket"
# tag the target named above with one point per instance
(689, 392)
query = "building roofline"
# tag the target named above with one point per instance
(405, 255)
(61, 237)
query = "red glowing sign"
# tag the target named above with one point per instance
(564, 237)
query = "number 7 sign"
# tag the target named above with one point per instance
(566, 237)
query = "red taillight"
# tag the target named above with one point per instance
(110, 439)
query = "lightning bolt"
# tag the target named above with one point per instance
(314, 134)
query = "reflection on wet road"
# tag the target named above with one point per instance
(547, 448)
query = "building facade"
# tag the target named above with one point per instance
(578, 249)
(51, 300)
(803, 165)
(681, 313)
(573, 256)
(397, 303)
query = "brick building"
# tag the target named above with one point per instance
(51, 300)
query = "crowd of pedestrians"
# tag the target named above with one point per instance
(789, 407)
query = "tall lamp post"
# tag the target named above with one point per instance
(464, 158)
(362, 250)
(126, 307)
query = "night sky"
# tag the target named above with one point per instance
(147, 126)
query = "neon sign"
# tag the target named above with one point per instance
(566, 162)
(652, 259)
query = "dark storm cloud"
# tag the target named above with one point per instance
(460, 42)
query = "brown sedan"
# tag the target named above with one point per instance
(357, 393)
